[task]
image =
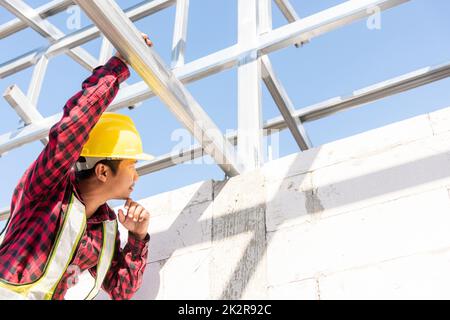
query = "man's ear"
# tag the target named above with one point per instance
(101, 172)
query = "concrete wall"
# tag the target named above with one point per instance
(360, 218)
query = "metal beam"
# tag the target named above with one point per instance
(37, 79)
(275, 87)
(35, 131)
(287, 10)
(23, 107)
(250, 142)
(78, 38)
(180, 33)
(115, 25)
(284, 104)
(369, 94)
(47, 30)
(106, 51)
(45, 11)
(265, 16)
(20, 103)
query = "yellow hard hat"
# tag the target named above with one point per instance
(115, 136)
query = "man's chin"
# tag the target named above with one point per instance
(124, 197)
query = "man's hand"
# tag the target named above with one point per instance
(147, 42)
(135, 219)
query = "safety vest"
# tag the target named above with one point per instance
(67, 239)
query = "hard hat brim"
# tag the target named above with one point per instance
(144, 156)
(139, 156)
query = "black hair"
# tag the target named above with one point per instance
(86, 174)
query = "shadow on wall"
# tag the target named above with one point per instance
(298, 186)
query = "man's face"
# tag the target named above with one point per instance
(123, 182)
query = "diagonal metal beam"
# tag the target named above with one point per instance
(47, 30)
(23, 107)
(115, 25)
(284, 104)
(275, 87)
(45, 11)
(78, 38)
(37, 80)
(288, 10)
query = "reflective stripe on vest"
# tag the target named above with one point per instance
(106, 256)
(88, 287)
(67, 240)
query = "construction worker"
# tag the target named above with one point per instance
(62, 240)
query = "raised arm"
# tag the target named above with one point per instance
(68, 136)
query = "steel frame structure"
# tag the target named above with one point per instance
(256, 39)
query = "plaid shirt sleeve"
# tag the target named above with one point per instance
(68, 136)
(126, 272)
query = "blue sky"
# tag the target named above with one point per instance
(412, 36)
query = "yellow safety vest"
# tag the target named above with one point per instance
(67, 240)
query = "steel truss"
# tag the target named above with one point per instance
(256, 39)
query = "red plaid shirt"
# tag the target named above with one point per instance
(42, 196)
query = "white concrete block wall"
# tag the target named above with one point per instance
(366, 217)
